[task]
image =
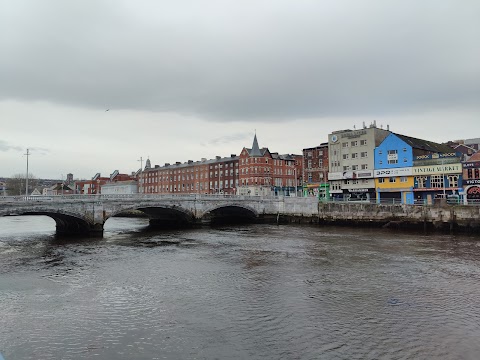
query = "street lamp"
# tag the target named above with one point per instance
(26, 183)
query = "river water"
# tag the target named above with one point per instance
(239, 292)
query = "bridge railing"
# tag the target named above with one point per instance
(102, 197)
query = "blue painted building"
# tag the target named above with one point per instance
(393, 171)
(409, 169)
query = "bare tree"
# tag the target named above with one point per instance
(16, 184)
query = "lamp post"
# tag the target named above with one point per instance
(26, 182)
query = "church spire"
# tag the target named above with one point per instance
(255, 149)
(148, 165)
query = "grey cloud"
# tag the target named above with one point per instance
(39, 151)
(4, 146)
(237, 137)
(230, 60)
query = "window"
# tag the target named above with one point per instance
(309, 164)
(345, 144)
(355, 156)
(392, 179)
(421, 181)
(345, 156)
(320, 152)
(453, 180)
(381, 180)
(380, 162)
(380, 152)
(392, 157)
(320, 162)
(346, 168)
(405, 160)
(363, 142)
(309, 154)
(403, 179)
(364, 154)
(404, 149)
(436, 181)
(354, 167)
(354, 143)
(364, 166)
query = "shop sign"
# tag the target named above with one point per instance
(472, 182)
(471, 165)
(438, 169)
(350, 174)
(362, 174)
(407, 171)
(473, 192)
(437, 156)
(358, 190)
(353, 134)
(335, 176)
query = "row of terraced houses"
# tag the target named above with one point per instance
(370, 163)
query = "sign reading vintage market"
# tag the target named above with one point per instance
(438, 169)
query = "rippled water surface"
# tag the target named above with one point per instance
(246, 292)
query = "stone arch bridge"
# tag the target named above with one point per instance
(87, 214)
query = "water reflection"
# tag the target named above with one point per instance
(236, 292)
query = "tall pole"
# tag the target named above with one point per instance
(443, 177)
(141, 168)
(295, 175)
(26, 183)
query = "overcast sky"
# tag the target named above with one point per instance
(188, 79)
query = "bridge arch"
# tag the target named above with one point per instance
(66, 223)
(161, 215)
(230, 213)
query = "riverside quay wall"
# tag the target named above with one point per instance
(436, 217)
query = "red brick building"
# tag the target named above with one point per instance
(315, 167)
(219, 175)
(263, 173)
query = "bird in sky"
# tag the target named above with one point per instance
(107, 110)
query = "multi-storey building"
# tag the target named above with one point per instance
(315, 168)
(266, 173)
(395, 161)
(91, 187)
(94, 186)
(351, 162)
(219, 175)
(471, 178)
(437, 176)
